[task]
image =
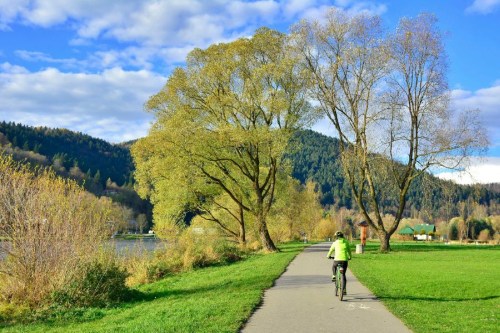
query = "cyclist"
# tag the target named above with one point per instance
(342, 250)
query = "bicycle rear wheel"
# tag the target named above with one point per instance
(336, 286)
(341, 283)
(340, 290)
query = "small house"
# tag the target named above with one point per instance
(424, 231)
(407, 231)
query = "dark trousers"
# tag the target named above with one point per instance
(344, 265)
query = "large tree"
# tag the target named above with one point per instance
(222, 125)
(387, 98)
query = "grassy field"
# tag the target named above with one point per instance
(215, 299)
(436, 287)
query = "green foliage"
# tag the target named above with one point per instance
(10, 312)
(316, 156)
(95, 284)
(222, 125)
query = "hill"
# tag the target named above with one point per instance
(101, 167)
(106, 169)
(316, 156)
(66, 149)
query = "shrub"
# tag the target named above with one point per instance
(484, 235)
(157, 270)
(95, 284)
(192, 249)
(12, 312)
(51, 226)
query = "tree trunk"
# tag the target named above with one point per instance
(384, 241)
(243, 238)
(265, 238)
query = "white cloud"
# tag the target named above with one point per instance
(12, 69)
(108, 104)
(487, 100)
(144, 30)
(482, 171)
(168, 23)
(483, 6)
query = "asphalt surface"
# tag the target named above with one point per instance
(303, 300)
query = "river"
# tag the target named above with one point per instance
(136, 246)
(125, 247)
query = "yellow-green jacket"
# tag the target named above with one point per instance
(342, 250)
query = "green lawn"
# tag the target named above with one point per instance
(436, 287)
(215, 299)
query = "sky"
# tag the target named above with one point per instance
(90, 65)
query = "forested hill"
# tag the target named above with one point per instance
(316, 156)
(74, 152)
(106, 168)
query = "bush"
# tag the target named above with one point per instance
(190, 250)
(95, 284)
(12, 312)
(157, 270)
(51, 226)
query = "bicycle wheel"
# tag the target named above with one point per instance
(341, 285)
(336, 285)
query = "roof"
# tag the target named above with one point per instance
(425, 227)
(406, 231)
(363, 224)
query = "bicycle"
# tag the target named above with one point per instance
(340, 290)
(339, 281)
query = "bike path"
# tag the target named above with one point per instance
(303, 300)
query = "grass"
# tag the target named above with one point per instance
(214, 299)
(436, 287)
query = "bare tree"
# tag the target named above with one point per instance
(388, 101)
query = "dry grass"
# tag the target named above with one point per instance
(49, 226)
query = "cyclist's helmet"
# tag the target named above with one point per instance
(339, 234)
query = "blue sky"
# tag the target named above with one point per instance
(89, 65)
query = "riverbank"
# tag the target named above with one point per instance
(212, 299)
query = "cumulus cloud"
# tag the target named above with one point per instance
(482, 171)
(96, 91)
(108, 105)
(487, 100)
(167, 23)
(483, 6)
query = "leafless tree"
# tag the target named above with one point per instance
(387, 98)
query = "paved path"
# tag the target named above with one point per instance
(303, 300)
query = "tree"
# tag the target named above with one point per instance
(222, 125)
(388, 101)
(142, 222)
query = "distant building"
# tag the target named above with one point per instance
(419, 232)
(424, 231)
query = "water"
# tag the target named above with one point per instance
(137, 246)
(126, 247)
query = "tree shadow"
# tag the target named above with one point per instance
(437, 299)
(372, 248)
